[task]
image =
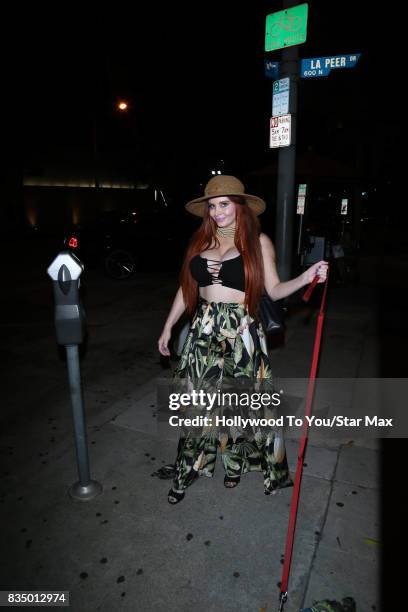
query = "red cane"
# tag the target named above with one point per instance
(302, 447)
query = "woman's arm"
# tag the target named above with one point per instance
(278, 290)
(175, 313)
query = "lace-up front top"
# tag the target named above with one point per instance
(229, 273)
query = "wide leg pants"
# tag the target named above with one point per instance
(225, 348)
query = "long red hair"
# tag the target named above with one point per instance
(248, 244)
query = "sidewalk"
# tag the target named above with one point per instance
(219, 550)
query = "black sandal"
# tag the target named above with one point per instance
(230, 482)
(270, 491)
(174, 497)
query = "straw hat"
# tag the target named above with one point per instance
(223, 185)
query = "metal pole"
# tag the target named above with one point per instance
(86, 488)
(78, 413)
(285, 201)
(300, 236)
(95, 149)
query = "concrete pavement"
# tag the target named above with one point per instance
(219, 550)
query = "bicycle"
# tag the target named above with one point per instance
(290, 23)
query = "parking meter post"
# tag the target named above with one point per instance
(74, 377)
(65, 271)
(86, 488)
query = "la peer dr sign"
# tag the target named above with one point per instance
(321, 66)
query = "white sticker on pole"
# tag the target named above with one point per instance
(300, 209)
(344, 203)
(280, 132)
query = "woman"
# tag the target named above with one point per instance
(228, 264)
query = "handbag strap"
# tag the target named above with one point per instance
(302, 446)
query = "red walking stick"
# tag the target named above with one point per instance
(303, 441)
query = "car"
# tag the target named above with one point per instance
(149, 235)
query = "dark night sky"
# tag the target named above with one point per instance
(194, 75)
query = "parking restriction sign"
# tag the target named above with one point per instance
(280, 132)
(280, 97)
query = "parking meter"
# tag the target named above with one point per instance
(69, 319)
(65, 271)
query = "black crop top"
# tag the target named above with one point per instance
(229, 273)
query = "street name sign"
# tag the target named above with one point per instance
(280, 97)
(280, 131)
(321, 66)
(271, 69)
(286, 28)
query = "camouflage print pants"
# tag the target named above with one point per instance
(226, 347)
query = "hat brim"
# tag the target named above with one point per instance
(197, 206)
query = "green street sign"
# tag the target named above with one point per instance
(286, 28)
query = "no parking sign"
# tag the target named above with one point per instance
(280, 131)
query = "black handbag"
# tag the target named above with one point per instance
(271, 314)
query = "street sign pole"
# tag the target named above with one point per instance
(285, 30)
(285, 200)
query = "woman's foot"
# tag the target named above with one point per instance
(269, 492)
(174, 496)
(230, 482)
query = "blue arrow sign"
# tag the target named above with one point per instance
(321, 66)
(271, 69)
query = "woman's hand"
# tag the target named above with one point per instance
(318, 269)
(164, 341)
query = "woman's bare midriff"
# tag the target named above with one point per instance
(218, 293)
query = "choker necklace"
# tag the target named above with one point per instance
(228, 232)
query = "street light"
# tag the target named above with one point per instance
(121, 106)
